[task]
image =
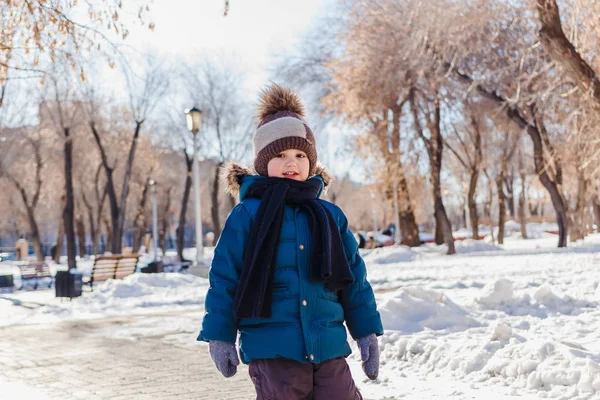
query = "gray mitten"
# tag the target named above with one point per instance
(225, 357)
(369, 353)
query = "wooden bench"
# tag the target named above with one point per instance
(112, 267)
(31, 270)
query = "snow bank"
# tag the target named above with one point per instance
(147, 290)
(558, 370)
(472, 246)
(547, 365)
(389, 255)
(130, 295)
(501, 296)
(414, 309)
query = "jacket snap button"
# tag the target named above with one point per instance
(312, 357)
(304, 303)
(301, 247)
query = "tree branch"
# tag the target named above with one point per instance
(562, 50)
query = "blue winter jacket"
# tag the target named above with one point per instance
(307, 320)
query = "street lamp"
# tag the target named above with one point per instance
(152, 184)
(194, 120)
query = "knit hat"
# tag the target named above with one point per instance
(281, 127)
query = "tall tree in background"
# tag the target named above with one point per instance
(144, 93)
(366, 84)
(12, 168)
(434, 144)
(466, 145)
(65, 112)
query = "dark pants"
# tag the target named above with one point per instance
(283, 379)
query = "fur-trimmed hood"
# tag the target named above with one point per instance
(233, 173)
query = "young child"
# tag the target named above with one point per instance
(286, 271)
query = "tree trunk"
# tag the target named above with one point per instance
(80, 234)
(184, 203)
(408, 223)
(489, 203)
(577, 217)
(60, 237)
(596, 208)
(522, 200)
(35, 235)
(472, 204)
(30, 204)
(214, 209)
(108, 227)
(557, 198)
(115, 245)
(69, 213)
(92, 223)
(441, 217)
(501, 206)
(435, 147)
(98, 225)
(140, 222)
(162, 233)
(118, 233)
(34, 231)
(443, 226)
(465, 221)
(509, 184)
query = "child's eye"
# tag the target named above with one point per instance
(300, 155)
(280, 155)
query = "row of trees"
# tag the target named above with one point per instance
(475, 105)
(465, 90)
(88, 159)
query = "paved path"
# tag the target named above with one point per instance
(72, 361)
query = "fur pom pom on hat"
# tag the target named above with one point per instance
(281, 127)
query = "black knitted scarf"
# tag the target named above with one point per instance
(328, 263)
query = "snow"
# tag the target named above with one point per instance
(494, 322)
(16, 391)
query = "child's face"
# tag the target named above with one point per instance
(291, 164)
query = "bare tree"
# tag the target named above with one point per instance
(434, 144)
(507, 146)
(65, 112)
(470, 157)
(29, 197)
(144, 94)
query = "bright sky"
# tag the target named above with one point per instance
(253, 31)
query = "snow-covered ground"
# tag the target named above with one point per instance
(490, 322)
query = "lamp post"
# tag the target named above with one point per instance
(194, 120)
(152, 184)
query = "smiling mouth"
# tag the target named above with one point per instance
(290, 174)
